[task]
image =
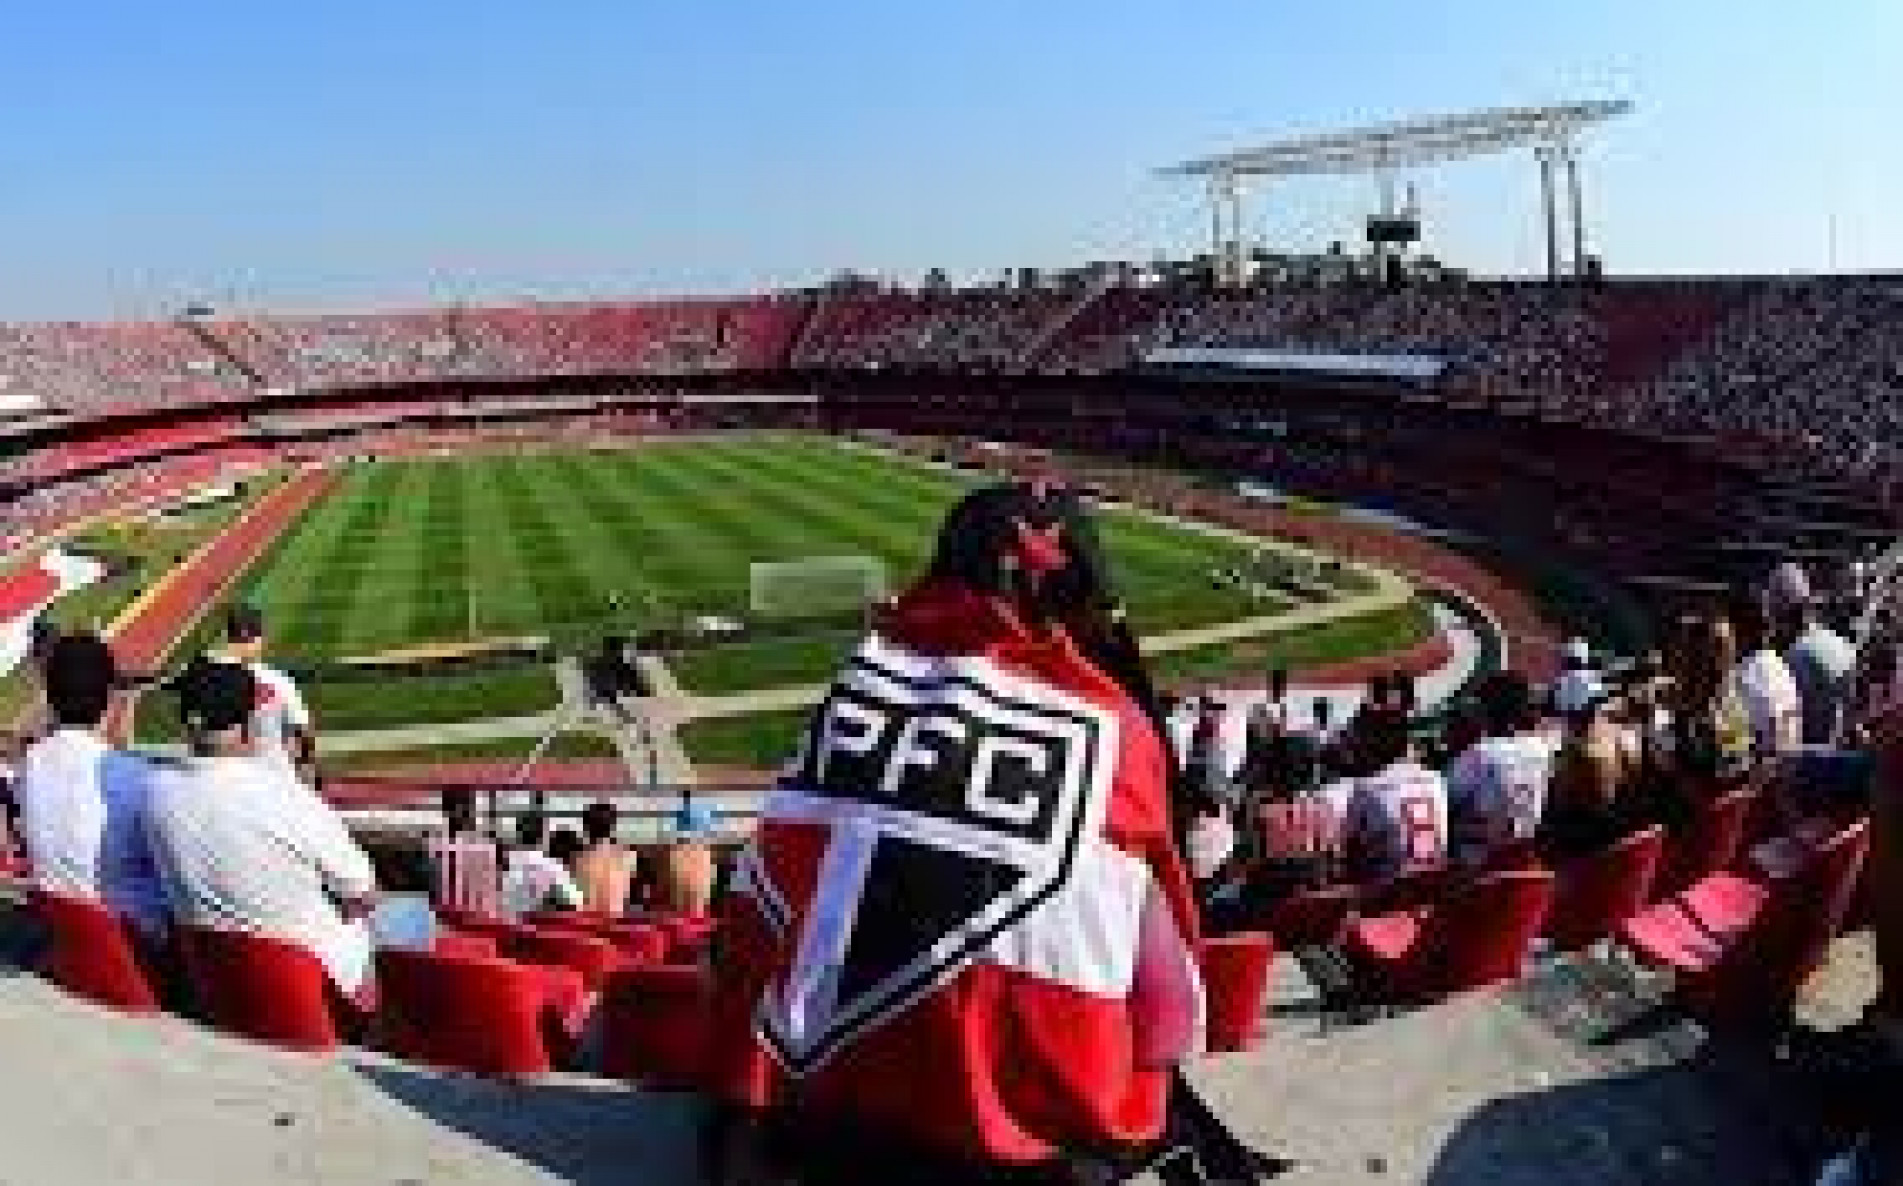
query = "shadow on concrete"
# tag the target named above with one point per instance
(581, 1131)
(1724, 1118)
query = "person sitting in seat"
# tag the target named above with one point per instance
(1397, 814)
(534, 880)
(464, 863)
(603, 868)
(689, 871)
(83, 804)
(1496, 788)
(1586, 806)
(241, 846)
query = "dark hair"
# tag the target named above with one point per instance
(1382, 738)
(1278, 681)
(459, 808)
(1506, 703)
(213, 697)
(598, 821)
(79, 673)
(1750, 620)
(565, 845)
(1321, 709)
(531, 827)
(244, 623)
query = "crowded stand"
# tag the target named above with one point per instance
(1708, 808)
(1705, 811)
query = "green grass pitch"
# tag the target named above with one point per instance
(572, 544)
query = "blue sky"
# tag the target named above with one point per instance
(376, 152)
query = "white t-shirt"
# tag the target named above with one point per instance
(243, 848)
(1211, 840)
(537, 881)
(1496, 790)
(1770, 699)
(280, 712)
(82, 823)
(1397, 819)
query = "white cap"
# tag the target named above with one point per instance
(1578, 692)
(1788, 586)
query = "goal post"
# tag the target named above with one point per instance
(815, 587)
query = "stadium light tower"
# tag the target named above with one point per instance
(1553, 132)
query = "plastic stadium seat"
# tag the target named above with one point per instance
(1312, 917)
(92, 954)
(1236, 976)
(1750, 976)
(589, 957)
(475, 1013)
(640, 943)
(1478, 934)
(450, 942)
(1709, 845)
(1595, 894)
(654, 1025)
(262, 988)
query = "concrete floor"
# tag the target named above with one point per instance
(1550, 1083)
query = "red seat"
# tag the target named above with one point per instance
(1236, 976)
(1594, 894)
(1750, 975)
(1708, 846)
(450, 942)
(92, 954)
(261, 988)
(475, 1013)
(589, 957)
(639, 942)
(654, 1025)
(1312, 917)
(1478, 934)
(1723, 904)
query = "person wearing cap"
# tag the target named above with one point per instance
(1590, 769)
(83, 804)
(1496, 787)
(282, 730)
(240, 848)
(1821, 661)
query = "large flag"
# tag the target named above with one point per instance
(26, 592)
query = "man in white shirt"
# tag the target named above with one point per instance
(1496, 788)
(1764, 681)
(1397, 816)
(534, 880)
(281, 721)
(1821, 661)
(242, 848)
(82, 804)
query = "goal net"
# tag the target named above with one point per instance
(816, 587)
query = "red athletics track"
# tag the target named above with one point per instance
(162, 616)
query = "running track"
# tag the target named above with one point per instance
(165, 613)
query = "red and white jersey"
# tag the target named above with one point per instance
(961, 916)
(1397, 820)
(1496, 790)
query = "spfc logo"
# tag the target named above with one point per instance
(955, 797)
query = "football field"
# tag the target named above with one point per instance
(564, 546)
(571, 543)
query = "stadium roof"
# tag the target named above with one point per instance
(1409, 142)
